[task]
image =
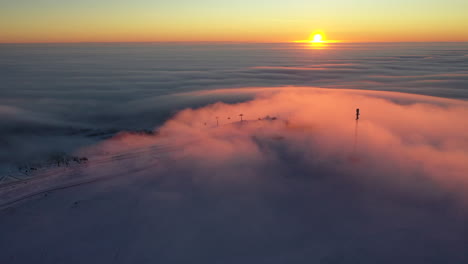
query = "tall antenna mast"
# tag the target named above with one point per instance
(354, 158)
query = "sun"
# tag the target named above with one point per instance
(317, 38)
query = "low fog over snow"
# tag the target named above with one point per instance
(299, 180)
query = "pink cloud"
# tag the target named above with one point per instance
(399, 135)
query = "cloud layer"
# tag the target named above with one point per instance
(304, 184)
(66, 92)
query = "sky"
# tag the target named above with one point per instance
(241, 20)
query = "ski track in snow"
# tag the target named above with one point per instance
(60, 178)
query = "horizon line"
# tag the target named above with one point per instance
(219, 41)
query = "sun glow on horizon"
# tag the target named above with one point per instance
(317, 38)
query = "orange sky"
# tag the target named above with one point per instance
(250, 21)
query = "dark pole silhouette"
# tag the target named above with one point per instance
(217, 121)
(354, 157)
(241, 115)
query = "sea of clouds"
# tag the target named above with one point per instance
(60, 97)
(175, 176)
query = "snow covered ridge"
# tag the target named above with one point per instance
(308, 184)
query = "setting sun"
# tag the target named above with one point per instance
(317, 38)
